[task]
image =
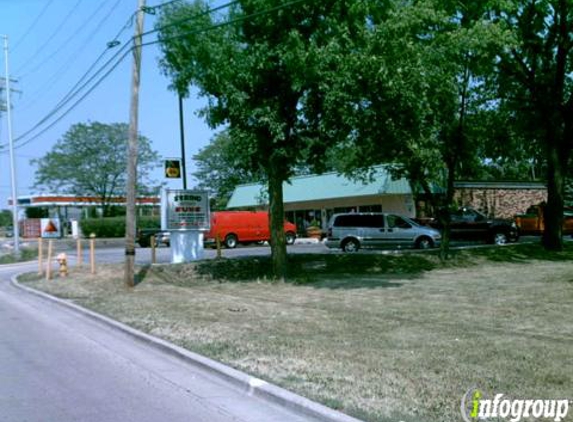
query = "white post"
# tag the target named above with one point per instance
(12, 160)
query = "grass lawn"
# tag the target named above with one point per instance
(380, 337)
(26, 254)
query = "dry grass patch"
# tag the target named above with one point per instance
(384, 338)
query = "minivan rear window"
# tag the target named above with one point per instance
(358, 220)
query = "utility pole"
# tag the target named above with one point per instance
(130, 197)
(182, 133)
(16, 228)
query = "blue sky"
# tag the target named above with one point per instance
(52, 44)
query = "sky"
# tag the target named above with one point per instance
(53, 44)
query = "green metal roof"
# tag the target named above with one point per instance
(321, 187)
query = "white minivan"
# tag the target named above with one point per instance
(353, 231)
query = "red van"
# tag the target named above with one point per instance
(234, 227)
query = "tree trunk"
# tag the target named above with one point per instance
(553, 213)
(276, 222)
(444, 211)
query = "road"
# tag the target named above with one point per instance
(163, 254)
(112, 250)
(59, 366)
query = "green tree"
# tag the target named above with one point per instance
(5, 218)
(413, 93)
(260, 74)
(535, 83)
(219, 170)
(90, 160)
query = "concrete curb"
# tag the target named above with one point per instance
(251, 385)
(306, 241)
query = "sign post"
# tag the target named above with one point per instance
(185, 214)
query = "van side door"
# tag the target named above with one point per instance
(373, 230)
(399, 232)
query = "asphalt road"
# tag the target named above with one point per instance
(163, 254)
(58, 366)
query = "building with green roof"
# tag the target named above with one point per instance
(316, 197)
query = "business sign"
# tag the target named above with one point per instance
(185, 210)
(50, 227)
(173, 168)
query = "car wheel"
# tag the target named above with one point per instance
(500, 238)
(424, 243)
(231, 241)
(351, 246)
(290, 238)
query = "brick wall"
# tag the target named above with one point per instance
(499, 202)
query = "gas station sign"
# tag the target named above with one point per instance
(185, 210)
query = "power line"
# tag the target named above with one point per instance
(50, 38)
(180, 21)
(92, 66)
(167, 3)
(81, 26)
(36, 20)
(219, 25)
(74, 92)
(76, 89)
(66, 66)
(73, 106)
(110, 44)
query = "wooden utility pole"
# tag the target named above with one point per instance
(130, 197)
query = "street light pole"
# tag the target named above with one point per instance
(130, 197)
(12, 159)
(182, 133)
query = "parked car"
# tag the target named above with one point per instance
(143, 237)
(353, 231)
(470, 224)
(235, 227)
(532, 221)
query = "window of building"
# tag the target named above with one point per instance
(370, 208)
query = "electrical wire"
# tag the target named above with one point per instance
(73, 106)
(219, 25)
(71, 94)
(67, 65)
(180, 21)
(100, 57)
(75, 91)
(36, 20)
(167, 3)
(49, 39)
(55, 52)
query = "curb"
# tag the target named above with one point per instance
(306, 241)
(253, 386)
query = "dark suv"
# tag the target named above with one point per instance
(470, 224)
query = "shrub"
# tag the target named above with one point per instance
(114, 226)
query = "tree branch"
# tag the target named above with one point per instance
(528, 75)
